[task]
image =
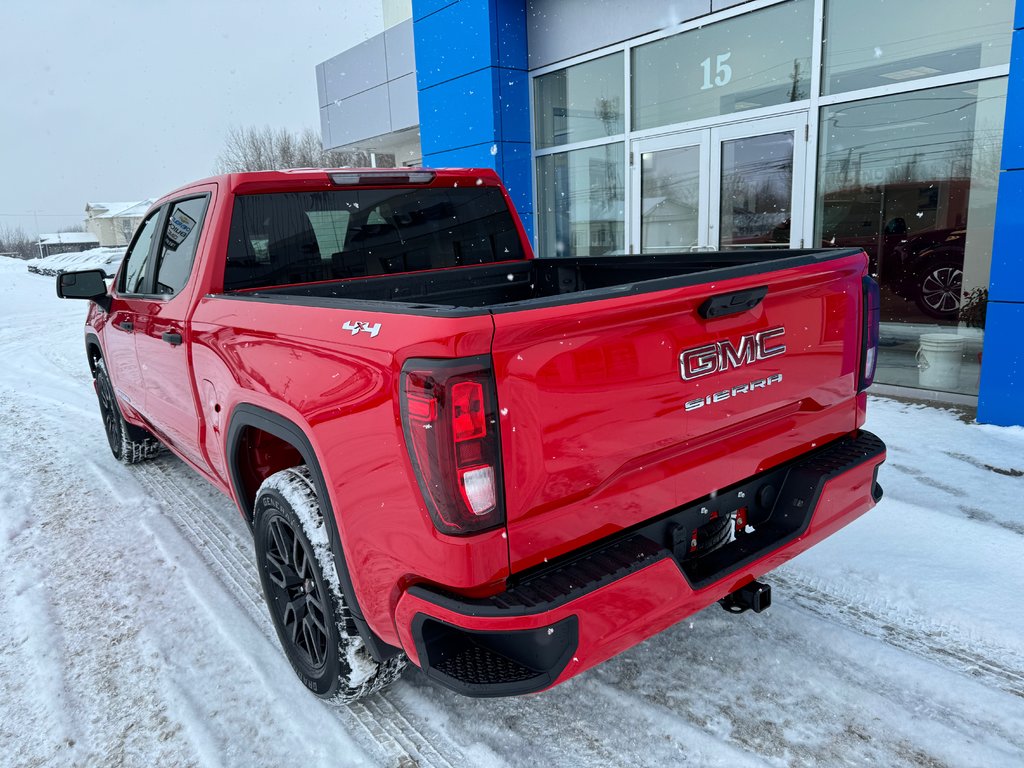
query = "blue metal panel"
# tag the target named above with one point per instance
(1002, 373)
(514, 95)
(516, 173)
(510, 31)
(1006, 282)
(474, 156)
(423, 8)
(474, 106)
(1018, 21)
(459, 113)
(452, 42)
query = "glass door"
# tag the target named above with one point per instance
(730, 187)
(757, 183)
(672, 192)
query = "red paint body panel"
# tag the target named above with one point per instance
(596, 437)
(595, 434)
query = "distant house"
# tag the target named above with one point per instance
(114, 223)
(66, 242)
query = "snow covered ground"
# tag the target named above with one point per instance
(133, 630)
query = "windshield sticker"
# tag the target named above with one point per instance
(179, 226)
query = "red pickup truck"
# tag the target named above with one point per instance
(503, 469)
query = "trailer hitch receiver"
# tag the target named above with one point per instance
(754, 596)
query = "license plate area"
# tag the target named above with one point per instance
(723, 518)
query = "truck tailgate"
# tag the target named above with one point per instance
(600, 431)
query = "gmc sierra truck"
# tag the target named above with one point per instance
(503, 469)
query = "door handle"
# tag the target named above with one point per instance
(174, 339)
(126, 325)
(732, 303)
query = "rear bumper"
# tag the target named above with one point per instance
(556, 621)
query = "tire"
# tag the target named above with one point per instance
(129, 444)
(938, 287)
(300, 584)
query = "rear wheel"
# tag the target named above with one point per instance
(301, 587)
(129, 444)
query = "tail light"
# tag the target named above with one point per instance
(449, 415)
(870, 335)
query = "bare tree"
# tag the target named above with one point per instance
(14, 240)
(72, 228)
(126, 228)
(263, 149)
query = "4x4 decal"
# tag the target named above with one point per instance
(361, 325)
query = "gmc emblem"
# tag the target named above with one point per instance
(723, 355)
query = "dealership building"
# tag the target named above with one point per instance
(896, 126)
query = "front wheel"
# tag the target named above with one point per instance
(302, 589)
(129, 444)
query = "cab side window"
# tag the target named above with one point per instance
(133, 276)
(178, 245)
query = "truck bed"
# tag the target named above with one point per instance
(537, 283)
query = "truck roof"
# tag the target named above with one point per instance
(321, 178)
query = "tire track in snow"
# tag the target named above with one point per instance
(1001, 668)
(384, 728)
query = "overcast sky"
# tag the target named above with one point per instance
(123, 100)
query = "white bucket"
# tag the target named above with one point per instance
(938, 360)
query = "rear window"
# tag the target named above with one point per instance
(304, 237)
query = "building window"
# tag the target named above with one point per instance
(581, 202)
(580, 103)
(912, 179)
(872, 43)
(759, 59)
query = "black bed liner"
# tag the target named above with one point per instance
(535, 283)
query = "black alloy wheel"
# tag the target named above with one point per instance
(297, 594)
(298, 572)
(129, 443)
(109, 411)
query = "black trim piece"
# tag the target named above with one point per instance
(725, 304)
(200, 223)
(870, 320)
(779, 504)
(562, 278)
(91, 339)
(248, 415)
(486, 663)
(159, 213)
(791, 511)
(156, 247)
(555, 585)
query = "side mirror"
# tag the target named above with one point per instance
(88, 284)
